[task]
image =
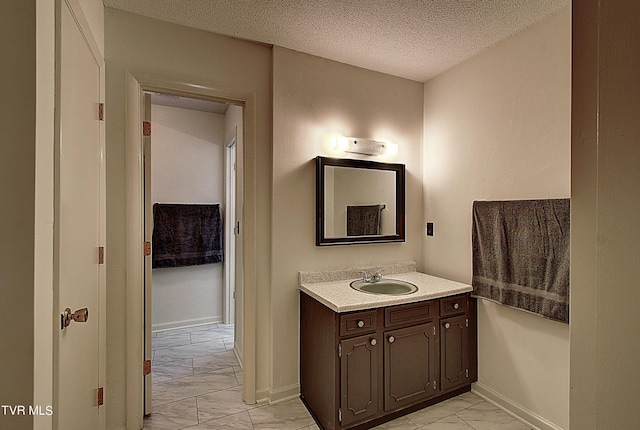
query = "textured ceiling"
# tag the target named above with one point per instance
(415, 39)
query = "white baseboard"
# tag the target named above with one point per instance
(262, 396)
(283, 394)
(186, 323)
(280, 395)
(514, 409)
(238, 356)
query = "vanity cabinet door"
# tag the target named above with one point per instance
(359, 377)
(410, 365)
(454, 356)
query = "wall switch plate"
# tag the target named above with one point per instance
(429, 229)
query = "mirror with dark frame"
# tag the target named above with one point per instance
(359, 201)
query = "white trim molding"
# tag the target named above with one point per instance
(514, 409)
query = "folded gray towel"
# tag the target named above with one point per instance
(521, 255)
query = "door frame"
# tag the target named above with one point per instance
(136, 85)
(230, 184)
(148, 273)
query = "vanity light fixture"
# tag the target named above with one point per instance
(361, 146)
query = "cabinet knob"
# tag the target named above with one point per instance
(456, 305)
(392, 339)
(360, 323)
(447, 325)
(373, 342)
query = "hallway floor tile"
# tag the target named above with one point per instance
(197, 383)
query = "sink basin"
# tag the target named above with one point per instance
(391, 287)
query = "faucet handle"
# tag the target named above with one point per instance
(378, 275)
(365, 276)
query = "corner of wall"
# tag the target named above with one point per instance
(483, 140)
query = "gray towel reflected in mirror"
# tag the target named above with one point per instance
(364, 220)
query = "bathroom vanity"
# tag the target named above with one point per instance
(369, 358)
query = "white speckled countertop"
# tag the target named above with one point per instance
(340, 297)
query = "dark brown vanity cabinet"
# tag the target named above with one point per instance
(359, 377)
(410, 353)
(410, 365)
(358, 369)
(454, 342)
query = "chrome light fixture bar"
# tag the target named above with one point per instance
(361, 146)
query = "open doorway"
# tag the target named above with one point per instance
(193, 309)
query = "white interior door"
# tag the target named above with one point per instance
(80, 231)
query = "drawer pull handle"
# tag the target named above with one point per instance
(360, 323)
(373, 342)
(447, 325)
(456, 305)
(392, 339)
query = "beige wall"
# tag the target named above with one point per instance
(314, 97)
(187, 166)
(17, 191)
(498, 127)
(152, 49)
(605, 239)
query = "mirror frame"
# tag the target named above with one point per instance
(399, 169)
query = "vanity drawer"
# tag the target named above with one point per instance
(412, 313)
(359, 322)
(454, 305)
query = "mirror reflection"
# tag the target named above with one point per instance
(359, 201)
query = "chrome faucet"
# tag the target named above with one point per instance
(377, 276)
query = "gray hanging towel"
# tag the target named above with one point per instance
(521, 255)
(186, 235)
(363, 220)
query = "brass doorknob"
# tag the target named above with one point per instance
(81, 316)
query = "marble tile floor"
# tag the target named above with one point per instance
(197, 385)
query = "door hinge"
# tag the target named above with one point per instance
(339, 415)
(101, 111)
(146, 367)
(146, 128)
(147, 248)
(434, 385)
(101, 255)
(434, 330)
(100, 396)
(236, 229)
(466, 372)
(466, 322)
(340, 350)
